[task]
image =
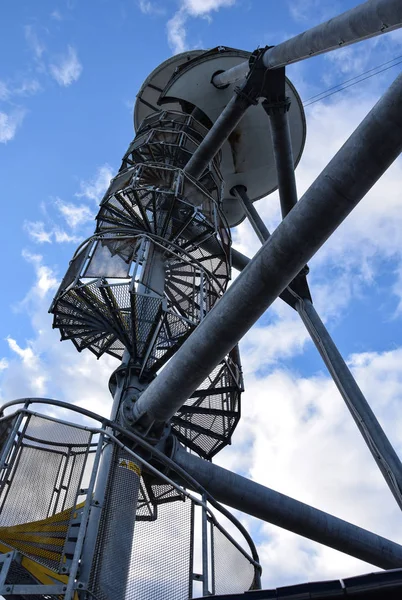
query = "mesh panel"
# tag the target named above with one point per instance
(206, 421)
(44, 480)
(163, 492)
(74, 269)
(31, 492)
(161, 555)
(232, 571)
(104, 263)
(160, 560)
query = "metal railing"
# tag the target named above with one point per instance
(35, 442)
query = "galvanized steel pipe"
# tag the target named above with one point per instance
(271, 506)
(362, 22)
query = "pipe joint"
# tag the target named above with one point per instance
(254, 86)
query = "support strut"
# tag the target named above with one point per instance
(271, 506)
(380, 447)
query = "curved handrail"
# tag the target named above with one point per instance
(171, 464)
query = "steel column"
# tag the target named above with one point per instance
(362, 22)
(362, 160)
(381, 449)
(283, 155)
(99, 500)
(372, 432)
(271, 506)
(240, 192)
(239, 260)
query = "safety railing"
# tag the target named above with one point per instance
(59, 539)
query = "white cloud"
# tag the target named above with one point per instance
(36, 230)
(197, 8)
(314, 10)
(28, 87)
(61, 236)
(284, 337)
(42, 365)
(4, 91)
(176, 32)
(397, 290)
(9, 123)
(56, 15)
(67, 69)
(175, 27)
(3, 364)
(74, 215)
(33, 365)
(96, 187)
(26, 354)
(39, 234)
(45, 277)
(296, 436)
(34, 42)
(150, 8)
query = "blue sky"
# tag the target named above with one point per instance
(69, 75)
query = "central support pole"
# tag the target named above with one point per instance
(370, 150)
(116, 529)
(271, 506)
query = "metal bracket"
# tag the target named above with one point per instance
(276, 100)
(44, 591)
(5, 562)
(254, 86)
(265, 83)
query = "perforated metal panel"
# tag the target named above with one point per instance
(46, 467)
(232, 572)
(208, 418)
(159, 567)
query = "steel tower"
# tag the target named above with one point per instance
(128, 508)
